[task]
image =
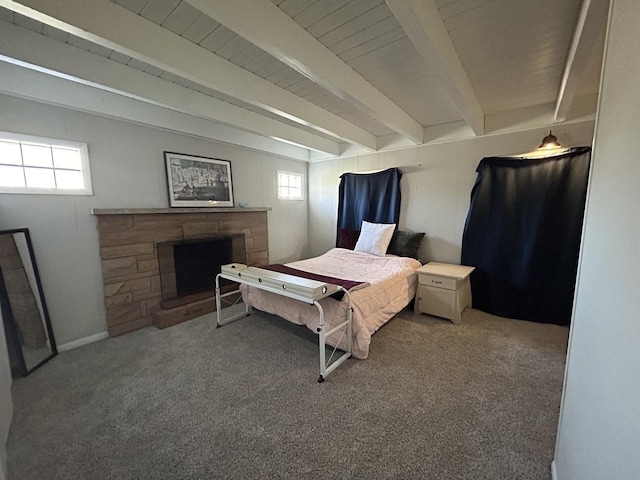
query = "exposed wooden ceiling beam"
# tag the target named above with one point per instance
(20, 82)
(423, 25)
(591, 21)
(108, 24)
(276, 33)
(81, 66)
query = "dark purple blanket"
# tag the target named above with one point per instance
(346, 284)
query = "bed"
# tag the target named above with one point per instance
(380, 287)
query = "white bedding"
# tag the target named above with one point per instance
(392, 284)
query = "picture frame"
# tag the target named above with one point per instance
(195, 181)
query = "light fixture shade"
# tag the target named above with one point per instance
(549, 142)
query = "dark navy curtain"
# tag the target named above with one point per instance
(374, 197)
(523, 234)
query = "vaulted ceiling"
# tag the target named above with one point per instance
(330, 76)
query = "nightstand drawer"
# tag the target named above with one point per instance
(437, 281)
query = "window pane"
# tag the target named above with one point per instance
(40, 165)
(66, 158)
(69, 180)
(11, 176)
(36, 156)
(39, 178)
(290, 185)
(10, 153)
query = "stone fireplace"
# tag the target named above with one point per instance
(130, 266)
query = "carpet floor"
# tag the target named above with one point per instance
(434, 400)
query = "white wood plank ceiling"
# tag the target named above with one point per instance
(326, 75)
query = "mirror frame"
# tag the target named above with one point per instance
(6, 309)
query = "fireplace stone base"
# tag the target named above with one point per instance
(163, 318)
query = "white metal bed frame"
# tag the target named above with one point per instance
(298, 288)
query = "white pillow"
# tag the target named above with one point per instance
(375, 238)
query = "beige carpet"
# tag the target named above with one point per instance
(433, 400)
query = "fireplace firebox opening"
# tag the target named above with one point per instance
(188, 267)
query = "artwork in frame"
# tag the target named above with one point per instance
(198, 181)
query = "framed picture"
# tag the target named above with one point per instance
(198, 181)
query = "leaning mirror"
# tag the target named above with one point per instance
(28, 332)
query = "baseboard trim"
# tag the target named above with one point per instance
(554, 474)
(83, 341)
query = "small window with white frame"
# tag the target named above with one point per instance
(290, 186)
(31, 164)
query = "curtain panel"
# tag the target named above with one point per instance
(374, 197)
(523, 232)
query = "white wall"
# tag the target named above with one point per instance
(127, 167)
(599, 430)
(435, 196)
(6, 404)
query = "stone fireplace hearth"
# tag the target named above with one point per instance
(130, 268)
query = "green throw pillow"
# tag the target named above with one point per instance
(405, 244)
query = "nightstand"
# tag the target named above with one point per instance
(444, 290)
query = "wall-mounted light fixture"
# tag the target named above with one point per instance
(550, 147)
(549, 142)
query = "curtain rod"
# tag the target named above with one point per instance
(404, 169)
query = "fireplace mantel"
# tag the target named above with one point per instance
(151, 211)
(128, 250)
